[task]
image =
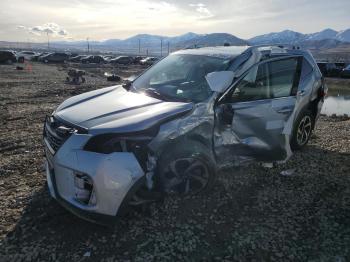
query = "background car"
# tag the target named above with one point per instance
(54, 58)
(27, 55)
(330, 69)
(93, 59)
(137, 59)
(123, 60)
(77, 58)
(108, 58)
(36, 56)
(345, 72)
(7, 57)
(148, 61)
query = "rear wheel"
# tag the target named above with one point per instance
(302, 130)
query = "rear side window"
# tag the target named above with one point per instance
(281, 75)
(306, 69)
(274, 79)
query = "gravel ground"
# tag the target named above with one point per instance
(252, 213)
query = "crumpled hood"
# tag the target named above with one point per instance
(113, 109)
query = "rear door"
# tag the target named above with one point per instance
(251, 117)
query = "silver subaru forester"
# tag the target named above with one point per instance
(175, 125)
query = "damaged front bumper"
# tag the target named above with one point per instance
(92, 185)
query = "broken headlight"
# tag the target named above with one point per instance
(110, 143)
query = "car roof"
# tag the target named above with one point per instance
(227, 52)
(230, 52)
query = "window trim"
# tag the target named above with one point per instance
(224, 97)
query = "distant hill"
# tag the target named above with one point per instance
(213, 40)
(182, 41)
(324, 34)
(152, 43)
(286, 36)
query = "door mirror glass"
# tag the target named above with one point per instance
(219, 81)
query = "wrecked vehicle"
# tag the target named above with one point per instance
(175, 125)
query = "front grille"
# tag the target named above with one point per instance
(56, 133)
(55, 142)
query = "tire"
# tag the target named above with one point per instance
(302, 130)
(186, 170)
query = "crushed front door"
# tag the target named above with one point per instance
(251, 117)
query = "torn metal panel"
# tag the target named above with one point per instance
(255, 132)
(198, 124)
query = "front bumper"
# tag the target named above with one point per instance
(114, 177)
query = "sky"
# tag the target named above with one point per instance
(35, 20)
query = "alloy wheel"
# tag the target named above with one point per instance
(186, 176)
(304, 130)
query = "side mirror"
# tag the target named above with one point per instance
(219, 81)
(225, 114)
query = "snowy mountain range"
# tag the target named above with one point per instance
(292, 37)
(327, 38)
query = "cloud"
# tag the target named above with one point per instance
(48, 28)
(202, 9)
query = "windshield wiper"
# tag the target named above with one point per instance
(154, 93)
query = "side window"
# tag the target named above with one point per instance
(306, 69)
(268, 80)
(254, 86)
(282, 74)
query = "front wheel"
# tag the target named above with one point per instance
(186, 171)
(302, 130)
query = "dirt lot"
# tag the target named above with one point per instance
(253, 213)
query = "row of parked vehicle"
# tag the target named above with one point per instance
(61, 57)
(340, 69)
(125, 60)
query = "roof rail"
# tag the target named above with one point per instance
(280, 45)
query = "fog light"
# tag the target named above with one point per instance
(84, 192)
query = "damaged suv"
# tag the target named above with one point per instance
(176, 124)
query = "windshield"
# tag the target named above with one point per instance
(180, 77)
